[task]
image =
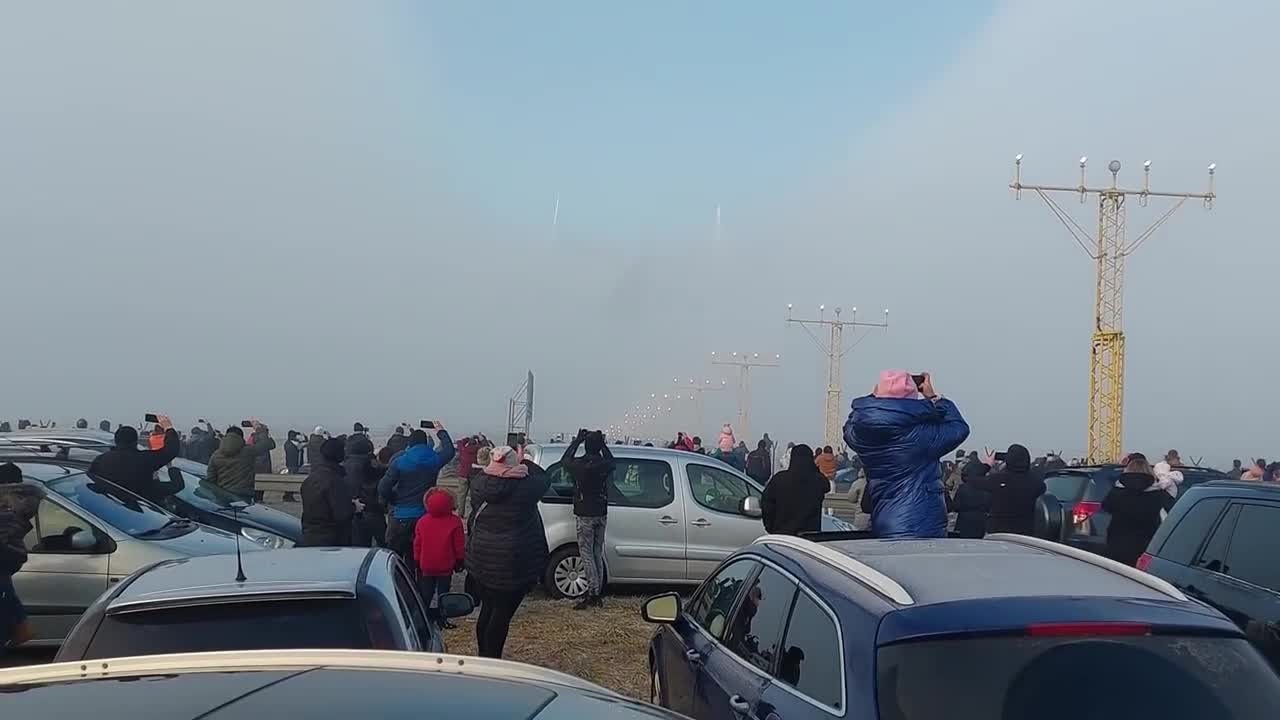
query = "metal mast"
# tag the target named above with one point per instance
(1108, 249)
(695, 391)
(744, 361)
(835, 351)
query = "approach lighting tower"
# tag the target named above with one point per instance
(1108, 249)
(835, 351)
(745, 361)
(695, 390)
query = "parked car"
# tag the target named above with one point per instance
(1081, 490)
(946, 629)
(354, 598)
(673, 517)
(196, 499)
(312, 684)
(88, 535)
(1220, 545)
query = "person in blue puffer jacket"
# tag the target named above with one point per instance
(409, 476)
(900, 438)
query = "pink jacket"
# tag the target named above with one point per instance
(727, 441)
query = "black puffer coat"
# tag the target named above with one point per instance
(1014, 491)
(507, 544)
(1135, 516)
(326, 506)
(971, 502)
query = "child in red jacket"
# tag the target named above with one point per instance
(438, 545)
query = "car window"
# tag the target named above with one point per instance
(811, 659)
(1192, 531)
(1215, 551)
(410, 605)
(561, 487)
(718, 489)
(711, 605)
(1252, 556)
(1123, 678)
(1067, 487)
(269, 625)
(52, 528)
(641, 483)
(114, 505)
(756, 629)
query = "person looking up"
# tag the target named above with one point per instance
(1135, 513)
(1013, 490)
(135, 470)
(759, 462)
(590, 474)
(726, 441)
(327, 502)
(438, 547)
(900, 437)
(409, 476)
(232, 465)
(1237, 469)
(792, 500)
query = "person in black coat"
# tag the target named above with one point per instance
(135, 470)
(369, 527)
(792, 501)
(972, 501)
(1135, 512)
(506, 543)
(327, 502)
(1014, 490)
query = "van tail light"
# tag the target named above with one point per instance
(1083, 511)
(1083, 629)
(1144, 561)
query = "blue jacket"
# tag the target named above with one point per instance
(899, 442)
(410, 474)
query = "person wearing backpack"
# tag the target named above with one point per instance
(759, 463)
(18, 505)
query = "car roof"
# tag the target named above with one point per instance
(548, 455)
(251, 684)
(287, 573)
(1236, 488)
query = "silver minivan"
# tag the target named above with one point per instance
(673, 516)
(89, 535)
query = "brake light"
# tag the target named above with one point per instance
(1144, 561)
(1083, 511)
(1087, 629)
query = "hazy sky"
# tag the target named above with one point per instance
(321, 211)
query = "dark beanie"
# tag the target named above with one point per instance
(10, 474)
(594, 442)
(334, 450)
(126, 437)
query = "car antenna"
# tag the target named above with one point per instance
(235, 513)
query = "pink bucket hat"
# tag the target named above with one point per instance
(896, 384)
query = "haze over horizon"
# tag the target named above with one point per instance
(319, 212)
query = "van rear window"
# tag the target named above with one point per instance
(1068, 678)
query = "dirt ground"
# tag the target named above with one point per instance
(607, 646)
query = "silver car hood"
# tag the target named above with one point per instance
(204, 540)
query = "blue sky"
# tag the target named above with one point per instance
(644, 116)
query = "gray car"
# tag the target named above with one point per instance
(673, 517)
(89, 535)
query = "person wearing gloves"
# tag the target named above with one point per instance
(901, 431)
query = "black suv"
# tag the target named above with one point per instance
(1221, 544)
(1081, 491)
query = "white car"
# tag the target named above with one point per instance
(673, 516)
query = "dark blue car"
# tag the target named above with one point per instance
(1004, 628)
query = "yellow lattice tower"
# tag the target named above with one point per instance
(1109, 250)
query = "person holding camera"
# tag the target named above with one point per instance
(901, 431)
(135, 470)
(409, 476)
(590, 475)
(1012, 491)
(232, 465)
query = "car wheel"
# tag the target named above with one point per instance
(566, 574)
(655, 686)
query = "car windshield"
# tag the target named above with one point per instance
(267, 625)
(1107, 678)
(196, 489)
(115, 506)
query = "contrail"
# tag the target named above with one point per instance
(555, 215)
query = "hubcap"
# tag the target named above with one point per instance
(571, 577)
(655, 697)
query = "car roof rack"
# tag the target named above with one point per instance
(1134, 574)
(881, 584)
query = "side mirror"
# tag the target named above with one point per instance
(452, 605)
(750, 506)
(83, 540)
(661, 609)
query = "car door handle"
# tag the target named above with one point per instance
(701, 522)
(667, 520)
(693, 656)
(739, 705)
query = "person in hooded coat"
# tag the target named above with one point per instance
(134, 469)
(1013, 490)
(369, 527)
(972, 501)
(1135, 512)
(759, 462)
(900, 438)
(327, 503)
(792, 501)
(398, 442)
(232, 465)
